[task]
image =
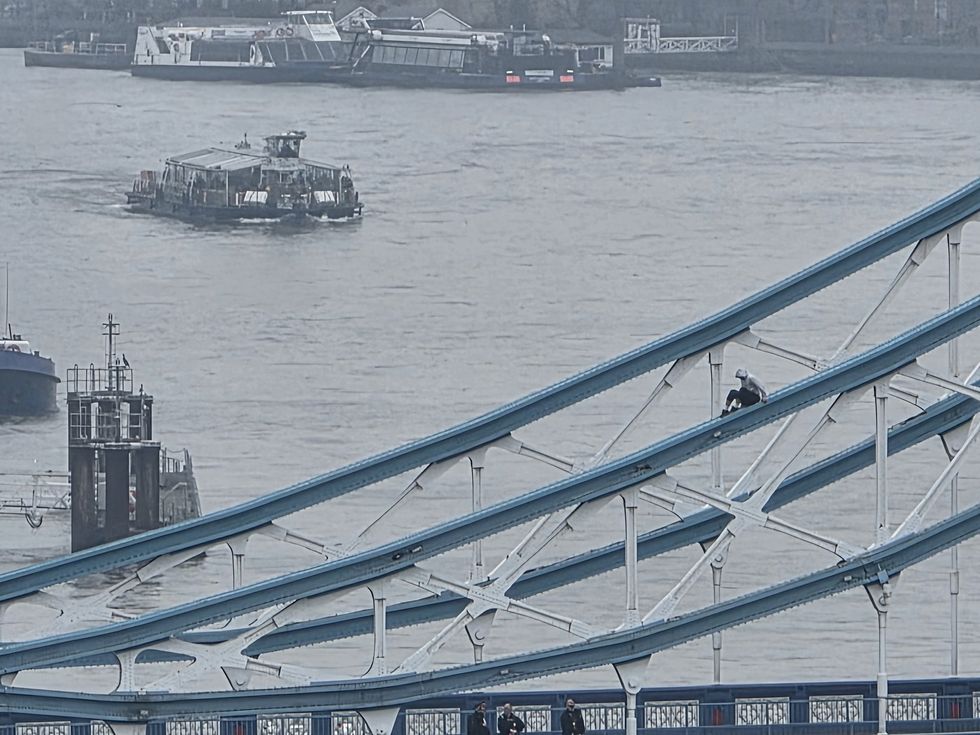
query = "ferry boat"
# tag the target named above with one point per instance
(303, 46)
(78, 54)
(504, 60)
(28, 381)
(306, 46)
(246, 184)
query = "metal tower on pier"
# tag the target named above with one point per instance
(113, 462)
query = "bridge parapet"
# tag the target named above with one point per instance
(816, 708)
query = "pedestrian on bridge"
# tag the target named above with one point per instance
(749, 393)
(508, 723)
(477, 722)
(572, 722)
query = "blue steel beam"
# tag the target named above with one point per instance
(702, 526)
(221, 525)
(388, 559)
(886, 560)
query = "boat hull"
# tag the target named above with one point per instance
(28, 385)
(150, 205)
(36, 57)
(245, 73)
(321, 73)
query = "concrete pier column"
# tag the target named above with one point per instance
(146, 462)
(116, 492)
(84, 509)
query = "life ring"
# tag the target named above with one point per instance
(289, 30)
(280, 32)
(251, 53)
(176, 48)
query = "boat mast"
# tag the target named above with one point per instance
(111, 330)
(6, 299)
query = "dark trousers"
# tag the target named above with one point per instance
(744, 396)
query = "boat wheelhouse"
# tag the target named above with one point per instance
(243, 183)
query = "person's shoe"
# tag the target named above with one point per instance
(725, 412)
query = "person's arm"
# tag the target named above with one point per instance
(760, 388)
(521, 725)
(566, 723)
(580, 720)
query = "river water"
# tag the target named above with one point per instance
(508, 241)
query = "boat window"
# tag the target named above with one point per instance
(444, 58)
(457, 59)
(410, 56)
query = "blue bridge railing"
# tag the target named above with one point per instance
(820, 708)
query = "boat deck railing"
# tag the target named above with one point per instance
(80, 47)
(91, 379)
(174, 462)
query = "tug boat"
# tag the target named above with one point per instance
(244, 184)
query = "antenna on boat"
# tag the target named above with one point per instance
(6, 298)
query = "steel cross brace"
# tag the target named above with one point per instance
(753, 341)
(96, 607)
(436, 469)
(486, 598)
(753, 516)
(913, 522)
(751, 507)
(677, 370)
(227, 655)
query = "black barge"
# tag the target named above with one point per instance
(217, 184)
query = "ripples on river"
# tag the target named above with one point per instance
(508, 241)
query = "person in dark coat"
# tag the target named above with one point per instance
(476, 724)
(750, 392)
(508, 723)
(572, 722)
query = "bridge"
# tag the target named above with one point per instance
(213, 664)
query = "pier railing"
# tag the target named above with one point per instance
(827, 708)
(696, 44)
